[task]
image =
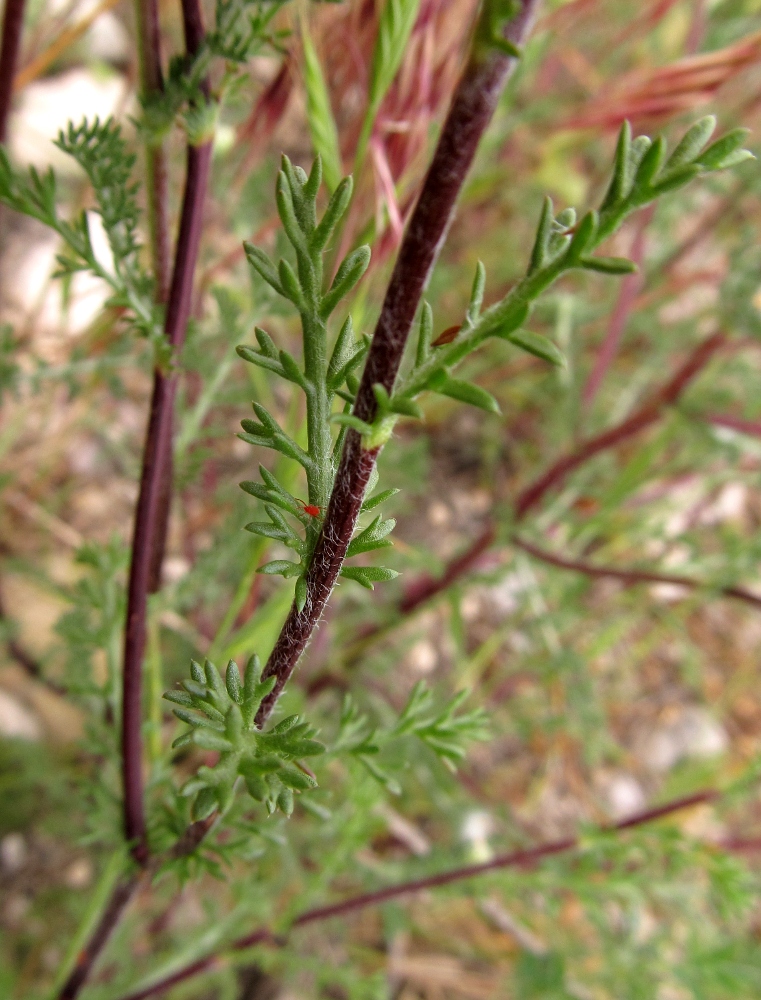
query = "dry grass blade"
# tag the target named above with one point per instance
(664, 91)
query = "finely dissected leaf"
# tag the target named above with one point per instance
(263, 759)
(322, 125)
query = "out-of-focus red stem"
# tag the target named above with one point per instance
(13, 22)
(149, 512)
(751, 427)
(629, 576)
(648, 414)
(424, 588)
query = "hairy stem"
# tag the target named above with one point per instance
(152, 497)
(470, 112)
(13, 22)
(516, 859)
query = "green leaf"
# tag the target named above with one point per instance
(609, 265)
(424, 335)
(342, 350)
(692, 142)
(715, 157)
(291, 369)
(539, 251)
(263, 266)
(232, 682)
(289, 285)
(539, 346)
(349, 420)
(368, 575)
(465, 392)
(376, 501)
(322, 125)
(622, 175)
(266, 343)
(255, 358)
(352, 267)
(405, 407)
(476, 295)
(204, 805)
(583, 237)
(650, 166)
(297, 780)
(337, 205)
(300, 596)
(209, 740)
(280, 567)
(255, 489)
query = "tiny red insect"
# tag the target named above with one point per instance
(309, 508)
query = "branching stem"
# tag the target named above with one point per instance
(470, 112)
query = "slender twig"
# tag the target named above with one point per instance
(156, 457)
(750, 427)
(516, 859)
(648, 414)
(470, 112)
(13, 21)
(630, 576)
(426, 587)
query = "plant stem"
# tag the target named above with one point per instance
(648, 414)
(13, 22)
(473, 104)
(152, 499)
(630, 576)
(516, 859)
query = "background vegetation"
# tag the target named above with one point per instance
(584, 562)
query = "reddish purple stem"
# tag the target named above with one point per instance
(648, 414)
(149, 513)
(13, 22)
(629, 576)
